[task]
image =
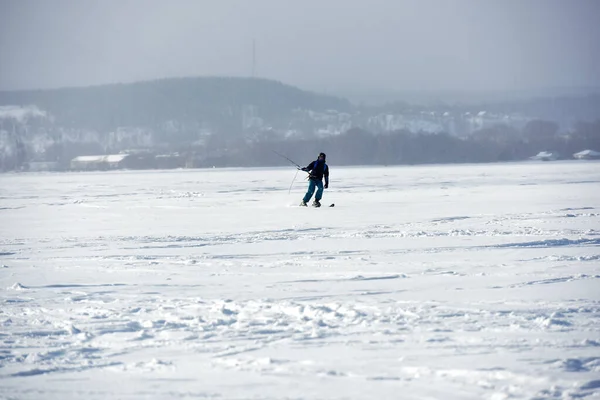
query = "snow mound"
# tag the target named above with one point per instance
(17, 286)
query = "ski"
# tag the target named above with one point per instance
(313, 206)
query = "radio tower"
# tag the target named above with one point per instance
(253, 58)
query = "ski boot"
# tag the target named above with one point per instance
(316, 203)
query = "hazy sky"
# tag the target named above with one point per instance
(322, 45)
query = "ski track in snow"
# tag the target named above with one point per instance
(445, 282)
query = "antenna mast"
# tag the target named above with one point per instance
(253, 58)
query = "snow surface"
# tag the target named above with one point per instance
(435, 282)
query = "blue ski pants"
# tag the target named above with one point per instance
(311, 189)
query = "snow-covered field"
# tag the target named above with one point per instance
(436, 282)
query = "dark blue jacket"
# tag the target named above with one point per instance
(318, 170)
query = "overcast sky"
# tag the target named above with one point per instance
(322, 45)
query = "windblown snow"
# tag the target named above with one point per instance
(435, 282)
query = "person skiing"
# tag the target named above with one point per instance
(317, 170)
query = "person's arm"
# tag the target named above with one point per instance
(326, 175)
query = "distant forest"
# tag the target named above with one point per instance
(217, 102)
(234, 122)
(495, 144)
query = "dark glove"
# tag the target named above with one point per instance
(304, 169)
(327, 186)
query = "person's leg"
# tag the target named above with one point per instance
(319, 194)
(310, 191)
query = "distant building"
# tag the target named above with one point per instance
(101, 163)
(544, 156)
(587, 155)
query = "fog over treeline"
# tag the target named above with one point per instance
(195, 83)
(236, 122)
